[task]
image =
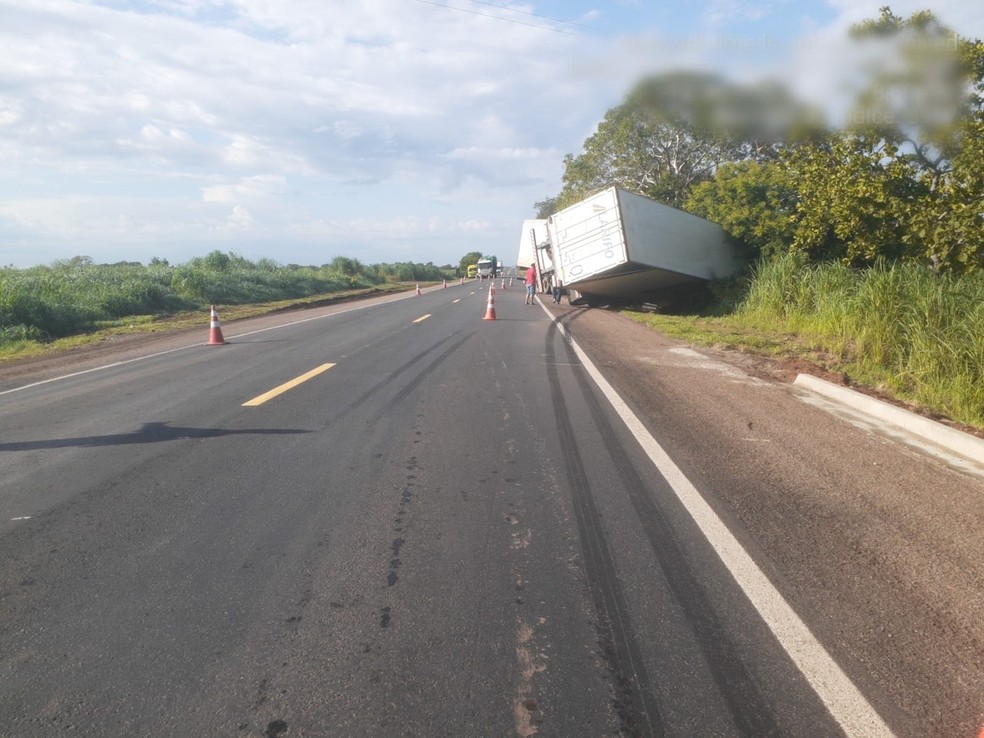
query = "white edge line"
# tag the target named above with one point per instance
(194, 345)
(834, 688)
(95, 369)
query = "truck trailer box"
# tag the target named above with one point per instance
(534, 234)
(626, 246)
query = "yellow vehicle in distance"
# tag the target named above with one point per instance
(472, 271)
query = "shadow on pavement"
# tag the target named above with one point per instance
(156, 432)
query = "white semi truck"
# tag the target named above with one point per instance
(619, 246)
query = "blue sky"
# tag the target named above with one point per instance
(384, 130)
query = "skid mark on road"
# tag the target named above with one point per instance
(748, 708)
(636, 705)
(410, 386)
(400, 521)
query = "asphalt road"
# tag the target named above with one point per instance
(446, 529)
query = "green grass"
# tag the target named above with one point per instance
(100, 330)
(76, 302)
(900, 328)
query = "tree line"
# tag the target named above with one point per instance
(901, 179)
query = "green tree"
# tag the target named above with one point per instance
(949, 223)
(914, 146)
(755, 202)
(673, 131)
(642, 150)
(903, 179)
(347, 266)
(471, 257)
(854, 196)
(217, 261)
(546, 207)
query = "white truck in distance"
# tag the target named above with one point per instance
(619, 246)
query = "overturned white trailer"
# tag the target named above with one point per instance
(533, 234)
(616, 245)
(534, 250)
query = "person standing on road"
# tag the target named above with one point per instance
(555, 286)
(530, 284)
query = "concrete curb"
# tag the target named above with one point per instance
(956, 441)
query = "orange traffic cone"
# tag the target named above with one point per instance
(214, 330)
(462, 280)
(492, 287)
(445, 284)
(490, 309)
(503, 285)
(418, 289)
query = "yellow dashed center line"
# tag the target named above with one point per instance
(422, 318)
(286, 386)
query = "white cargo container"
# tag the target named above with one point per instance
(534, 234)
(616, 244)
(534, 248)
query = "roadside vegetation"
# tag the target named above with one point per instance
(902, 329)
(76, 297)
(866, 239)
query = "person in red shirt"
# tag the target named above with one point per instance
(530, 284)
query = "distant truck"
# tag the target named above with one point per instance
(487, 267)
(472, 271)
(623, 247)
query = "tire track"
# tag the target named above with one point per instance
(382, 384)
(635, 705)
(749, 709)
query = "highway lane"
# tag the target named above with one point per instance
(447, 532)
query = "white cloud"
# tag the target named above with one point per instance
(480, 153)
(346, 129)
(248, 189)
(137, 125)
(240, 219)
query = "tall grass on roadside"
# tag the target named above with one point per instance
(65, 298)
(902, 326)
(70, 297)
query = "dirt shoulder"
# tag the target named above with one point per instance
(609, 324)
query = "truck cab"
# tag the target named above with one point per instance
(472, 271)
